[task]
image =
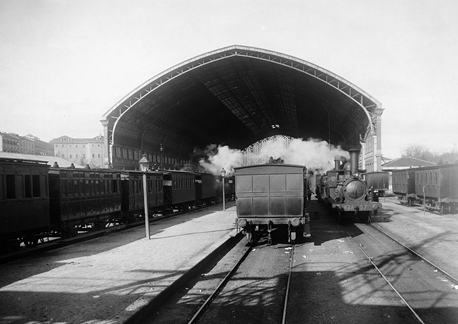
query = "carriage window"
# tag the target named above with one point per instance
(10, 187)
(20, 186)
(115, 186)
(102, 187)
(28, 186)
(64, 188)
(36, 186)
(44, 181)
(69, 187)
(76, 190)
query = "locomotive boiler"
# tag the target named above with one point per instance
(347, 193)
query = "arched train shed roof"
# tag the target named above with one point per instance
(236, 96)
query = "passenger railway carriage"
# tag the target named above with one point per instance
(37, 201)
(133, 203)
(435, 186)
(81, 198)
(269, 196)
(24, 201)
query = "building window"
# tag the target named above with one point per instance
(69, 156)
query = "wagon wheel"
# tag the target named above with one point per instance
(249, 233)
(269, 234)
(30, 240)
(249, 237)
(290, 234)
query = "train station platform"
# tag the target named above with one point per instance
(113, 278)
(118, 277)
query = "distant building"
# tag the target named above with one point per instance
(14, 143)
(83, 151)
(41, 147)
(29, 144)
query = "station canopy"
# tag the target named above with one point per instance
(237, 96)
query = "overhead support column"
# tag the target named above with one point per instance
(363, 155)
(378, 144)
(106, 150)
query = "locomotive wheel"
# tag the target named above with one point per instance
(339, 217)
(368, 218)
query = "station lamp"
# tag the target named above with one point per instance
(144, 164)
(223, 174)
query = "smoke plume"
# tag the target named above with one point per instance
(314, 154)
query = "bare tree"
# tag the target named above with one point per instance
(420, 152)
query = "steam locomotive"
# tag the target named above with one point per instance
(347, 193)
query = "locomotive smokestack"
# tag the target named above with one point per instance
(336, 164)
(354, 155)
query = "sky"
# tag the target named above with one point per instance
(64, 64)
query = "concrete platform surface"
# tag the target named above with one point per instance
(111, 279)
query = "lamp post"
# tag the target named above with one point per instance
(144, 163)
(223, 174)
(162, 156)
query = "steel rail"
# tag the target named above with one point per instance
(417, 317)
(285, 305)
(209, 300)
(418, 255)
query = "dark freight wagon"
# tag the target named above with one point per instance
(269, 196)
(377, 182)
(404, 186)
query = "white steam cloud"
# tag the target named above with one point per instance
(314, 154)
(222, 157)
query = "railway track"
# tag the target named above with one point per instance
(452, 278)
(228, 277)
(226, 292)
(436, 278)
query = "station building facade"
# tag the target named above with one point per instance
(82, 151)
